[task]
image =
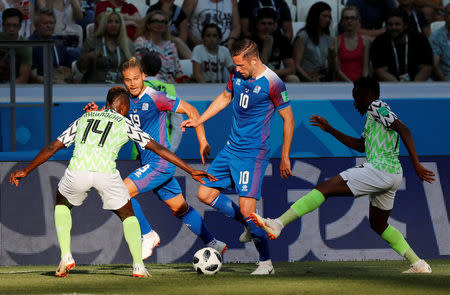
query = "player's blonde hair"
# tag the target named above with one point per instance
(132, 63)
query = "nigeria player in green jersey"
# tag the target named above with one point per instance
(98, 137)
(379, 177)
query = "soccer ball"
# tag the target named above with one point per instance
(207, 261)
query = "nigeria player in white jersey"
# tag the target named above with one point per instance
(379, 177)
(148, 110)
(98, 137)
(255, 92)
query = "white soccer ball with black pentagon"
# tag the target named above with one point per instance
(207, 261)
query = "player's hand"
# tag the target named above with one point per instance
(285, 168)
(92, 106)
(320, 122)
(15, 177)
(205, 150)
(190, 123)
(423, 173)
(198, 175)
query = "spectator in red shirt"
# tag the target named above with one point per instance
(129, 13)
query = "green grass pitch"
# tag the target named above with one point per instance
(360, 277)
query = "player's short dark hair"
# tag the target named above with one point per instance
(213, 26)
(11, 12)
(266, 12)
(368, 83)
(398, 12)
(246, 46)
(151, 62)
(116, 93)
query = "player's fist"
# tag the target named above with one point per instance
(15, 177)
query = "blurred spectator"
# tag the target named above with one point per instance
(440, 42)
(154, 35)
(178, 19)
(352, 56)
(417, 21)
(103, 54)
(12, 21)
(88, 9)
(27, 9)
(212, 63)
(275, 49)
(313, 45)
(129, 12)
(224, 13)
(373, 14)
(67, 13)
(248, 10)
(399, 55)
(178, 26)
(62, 56)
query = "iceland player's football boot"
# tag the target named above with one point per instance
(272, 227)
(246, 236)
(140, 271)
(264, 268)
(149, 242)
(67, 263)
(220, 246)
(419, 267)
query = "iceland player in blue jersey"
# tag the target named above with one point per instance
(148, 110)
(255, 92)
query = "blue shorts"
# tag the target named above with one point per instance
(245, 174)
(157, 177)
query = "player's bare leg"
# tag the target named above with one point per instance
(194, 222)
(150, 238)
(63, 224)
(132, 233)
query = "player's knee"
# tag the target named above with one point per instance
(180, 210)
(61, 200)
(204, 195)
(125, 211)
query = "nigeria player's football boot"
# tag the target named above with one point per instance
(67, 263)
(272, 227)
(419, 267)
(149, 242)
(246, 236)
(220, 246)
(140, 271)
(264, 268)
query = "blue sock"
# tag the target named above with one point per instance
(226, 206)
(143, 222)
(195, 223)
(260, 239)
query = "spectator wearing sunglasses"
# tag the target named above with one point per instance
(129, 13)
(154, 35)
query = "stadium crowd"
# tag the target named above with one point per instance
(301, 40)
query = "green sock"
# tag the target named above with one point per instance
(132, 233)
(399, 244)
(63, 223)
(305, 204)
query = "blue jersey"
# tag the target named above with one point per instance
(254, 102)
(149, 112)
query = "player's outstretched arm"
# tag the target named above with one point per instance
(45, 154)
(192, 113)
(405, 134)
(215, 107)
(171, 157)
(350, 141)
(288, 133)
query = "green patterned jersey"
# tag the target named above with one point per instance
(98, 137)
(381, 142)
